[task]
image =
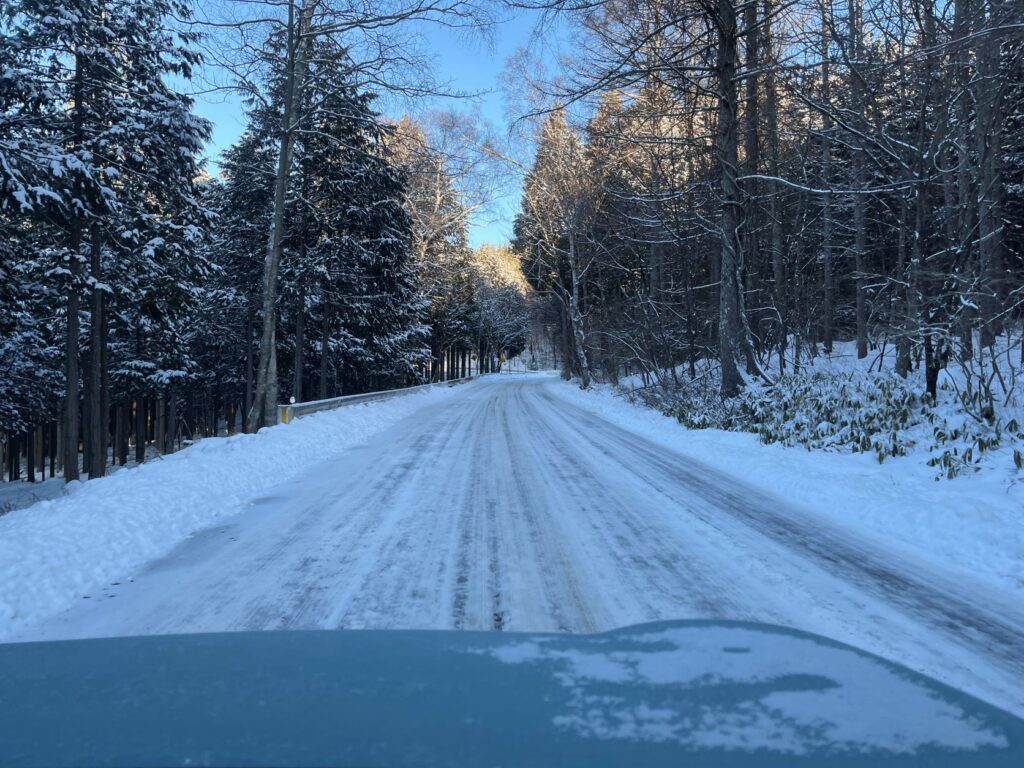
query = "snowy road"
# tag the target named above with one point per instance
(511, 507)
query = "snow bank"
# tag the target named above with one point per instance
(55, 552)
(973, 523)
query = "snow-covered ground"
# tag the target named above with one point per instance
(66, 546)
(519, 502)
(973, 524)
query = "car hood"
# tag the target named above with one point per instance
(669, 693)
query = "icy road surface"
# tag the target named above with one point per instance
(509, 506)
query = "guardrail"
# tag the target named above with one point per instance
(292, 411)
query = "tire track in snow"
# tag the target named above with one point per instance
(509, 507)
(996, 634)
(667, 578)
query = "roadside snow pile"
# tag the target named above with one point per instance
(54, 552)
(971, 523)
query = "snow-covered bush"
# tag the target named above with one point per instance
(822, 410)
(851, 411)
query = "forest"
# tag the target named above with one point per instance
(717, 194)
(724, 195)
(146, 302)
(757, 180)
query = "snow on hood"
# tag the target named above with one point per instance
(752, 690)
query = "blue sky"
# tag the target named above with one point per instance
(471, 64)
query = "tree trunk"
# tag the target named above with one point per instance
(58, 447)
(105, 387)
(828, 310)
(54, 447)
(775, 210)
(71, 383)
(160, 425)
(859, 200)
(249, 322)
(923, 166)
(121, 434)
(30, 457)
(966, 183)
(97, 428)
(71, 406)
(932, 366)
(751, 164)
(902, 325)
(263, 411)
(140, 429)
(576, 316)
(988, 134)
(40, 452)
(14, 458)
(726, 150)
(300, 343)
(172, 421)
(325, 339)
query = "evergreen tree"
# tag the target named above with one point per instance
(100, 155)
(349, 318)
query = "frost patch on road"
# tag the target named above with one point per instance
(749, 690)
(55, 553)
